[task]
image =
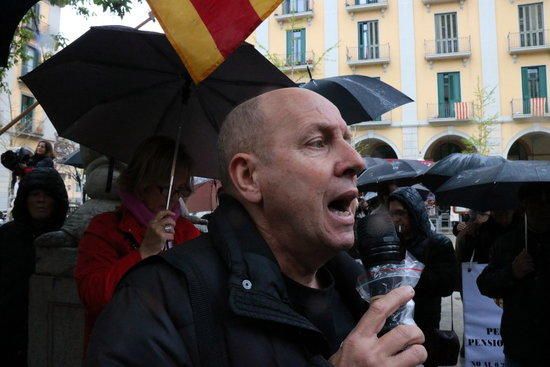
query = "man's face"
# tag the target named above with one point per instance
(400, 218)
(308, 178)
(40, 205)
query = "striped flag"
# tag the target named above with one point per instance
(205, 32)
(462, 111)
(538, 106)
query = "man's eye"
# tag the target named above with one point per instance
(318, 143)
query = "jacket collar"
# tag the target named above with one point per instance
(256, 285)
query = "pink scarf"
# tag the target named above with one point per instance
(139, 210)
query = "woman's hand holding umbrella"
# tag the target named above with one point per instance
(159, 231)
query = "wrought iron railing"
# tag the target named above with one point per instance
(524, 107)
(290, 60)
(368, 52)
(526, 39)
(461, 111)
(448, 46)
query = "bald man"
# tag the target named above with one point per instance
(270, 285)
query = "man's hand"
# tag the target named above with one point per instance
(398, 348)
(523, 264)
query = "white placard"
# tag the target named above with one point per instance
(482, 316)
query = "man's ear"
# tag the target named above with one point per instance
(244, 176)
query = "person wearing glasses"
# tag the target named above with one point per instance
(139, 228)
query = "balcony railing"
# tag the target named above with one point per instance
(449, 48)
(26, 127)
(294, 10)
(296, 62)
(455, 111)
(530, 41)
(368, 55)
(530, 107)
(430, 2)
(358, 6)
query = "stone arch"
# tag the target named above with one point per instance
(529, 144)
(380, 146)
(452, 140)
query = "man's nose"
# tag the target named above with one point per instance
(350, 162)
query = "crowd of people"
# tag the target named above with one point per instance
(272, 282)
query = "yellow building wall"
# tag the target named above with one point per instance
(388, 34)
(426, 74)
(507, 17)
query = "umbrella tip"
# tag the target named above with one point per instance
(309, 73)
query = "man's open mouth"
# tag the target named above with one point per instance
(343, 205)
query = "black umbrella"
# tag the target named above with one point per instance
(404, 172)
(10, 16)
(453, 164)
(116, 86)
(74, 159)
(359, 98)
(494, 187)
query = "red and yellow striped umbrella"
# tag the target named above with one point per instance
(205, 32)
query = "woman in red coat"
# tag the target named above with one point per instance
(139, 228)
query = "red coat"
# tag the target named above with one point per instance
(105, 254)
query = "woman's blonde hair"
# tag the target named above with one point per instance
(151, 165)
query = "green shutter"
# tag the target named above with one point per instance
(440, 95)
(543, 91)
(526, 94)
(303, 41)
(289, 47)
(454, 81)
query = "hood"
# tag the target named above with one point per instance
(412, 201)
(49, 180)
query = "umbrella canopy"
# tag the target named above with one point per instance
(359, 98)
(10, 16)
(494, 187)
(74, 159)
(404, 172)
(453, 164)
(116, 86)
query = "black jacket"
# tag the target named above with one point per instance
(150, 321)
(17, 260)
(436, 252)
(525, 326)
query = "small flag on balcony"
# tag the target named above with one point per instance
(462, 111)
(538, 105)
(205, 32)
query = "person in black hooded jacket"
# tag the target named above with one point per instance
(435, 251)
(40, 206)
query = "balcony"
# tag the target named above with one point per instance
(529, 42)
(26, 127)
(429, 3)
(368, 55)
(360, 6)
(450, 112)
(292, 10)
(529, 108)
(448, 49)
(384, 120)
(290, 62)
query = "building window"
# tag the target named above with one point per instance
(448, 93)
(446, 34)
(295, 6)
(369, 47)
(531, 25)
(534, 89)
(296, 47)
(31, 60)
(25, 125)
